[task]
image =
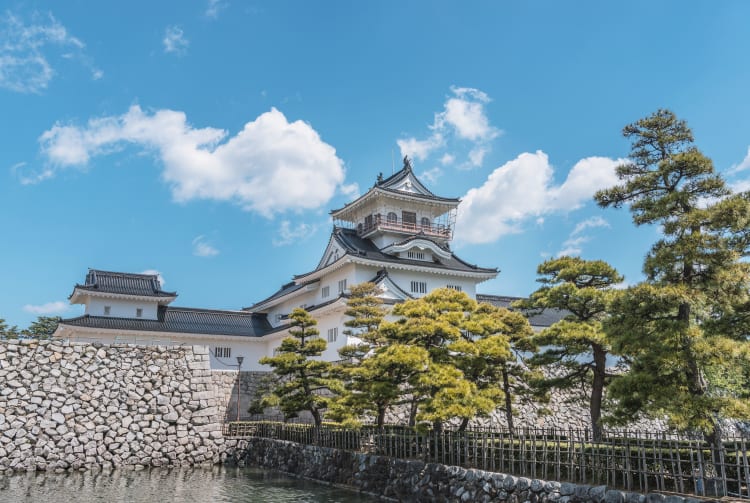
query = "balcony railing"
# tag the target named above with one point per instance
(379, 222)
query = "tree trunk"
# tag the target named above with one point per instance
(413, 413)
(381, 415)
(508, 401)
(316, 416)
(464, 424)
(597, 390)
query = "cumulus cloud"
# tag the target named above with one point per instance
(287, 234)
(28, 50)
(589, 223)
(743, 165)
(56, 307)
(213, 7)
(174, 40)
(574, 244)
(269, 167)
(157, 274)
(431, 175)
(524, 189)
(463, 119)
(202, 248)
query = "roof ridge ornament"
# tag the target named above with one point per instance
(407, 163)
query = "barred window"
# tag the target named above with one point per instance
(221, 352)
(325, 291)
(342, 286)
(333, 334)
(418, 287)
(457, 288)
(415, 255)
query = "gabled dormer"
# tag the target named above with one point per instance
(397, 207)
(121, 295)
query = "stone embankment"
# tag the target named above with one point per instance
(415, 481)
(72, 406)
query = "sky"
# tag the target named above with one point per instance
(207, 140)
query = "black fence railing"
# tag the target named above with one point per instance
(633, 461)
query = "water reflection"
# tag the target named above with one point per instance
(212, 484)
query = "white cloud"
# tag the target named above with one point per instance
(55, 307)
(432, 175)
(589, 223)
(287, 234)
(350, 190)
(271, 166)
(202, 248)
(174, 40)
(523, 189)
(447, 159)
(26, 51)
(743, 165)
(157, 274)
(463, 118)
(465, 112)
(573, 246)
(476, 155)
(420, 149)
(213, 8)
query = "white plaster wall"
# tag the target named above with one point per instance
(404, 278)
(120, 308)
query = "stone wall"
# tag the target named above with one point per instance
(403, 480)
(73, 405)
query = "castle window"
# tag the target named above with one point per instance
(425, 223)
(409, 219)
(333, 333)
(342, 286)
(418, 287)
(138, 312)
(391, 218)
(107, 310)
(455, 287)
(416, 255)
(359, 228)
(222, 352)
(325, 291)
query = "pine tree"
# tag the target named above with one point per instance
(7, 332)
(376, 373)
(43, 327)
(489, 355)
(673, 328)
(576, 345)
(365, 308)
(305, 383)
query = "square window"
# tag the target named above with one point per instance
(107, 310)
(138, 312)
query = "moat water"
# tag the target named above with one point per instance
(200, 485)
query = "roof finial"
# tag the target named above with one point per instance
(380, 178)
(407, 162)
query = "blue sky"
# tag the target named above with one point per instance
(208, 140)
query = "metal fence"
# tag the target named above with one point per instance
(633, 461)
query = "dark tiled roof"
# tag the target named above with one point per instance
(284, 290)
(365, 248)
(387, 185)
(147, 285)
(544, 319)
(183, 320)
